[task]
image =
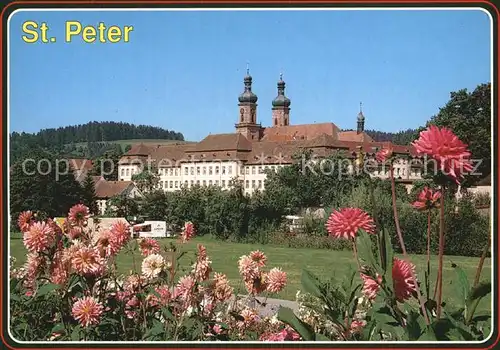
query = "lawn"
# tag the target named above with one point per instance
(322, 262)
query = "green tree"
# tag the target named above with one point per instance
(468, 114)
(89, 195)
(41, 183)
(107, 165)
(147, 180)
(122, 206)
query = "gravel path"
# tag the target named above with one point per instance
(271, 306)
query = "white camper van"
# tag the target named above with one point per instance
(156, 229)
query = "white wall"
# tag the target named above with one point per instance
(252, 177)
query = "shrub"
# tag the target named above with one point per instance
(467, 230)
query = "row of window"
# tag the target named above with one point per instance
(255, 184)
(223, 183)
(128, 172)
(259, 169)
(177, 184)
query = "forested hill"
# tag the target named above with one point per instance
(96, 138)
(94, 132)
(400, 138)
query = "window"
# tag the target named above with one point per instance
(247, 170)
(216, 182)
(171, 172)
(223, 170)
(253, 170)
(186, 183)
(186, 171)
(197, 170)
(204, 182)
(230, 169)
(223, 183)
(260, 170)
(122, 172)
(260, 184)
(216, 170)
(176, 172)
(209, 170)
(247, 184)
(198, 182)
(192, 183)
(163, 184)
(209, 182)
(192, 170)
(204, 170)
(253, 183)
(242, 170)
(176, 184)
(127, 172)
(171, 184)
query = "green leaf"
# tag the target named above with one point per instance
(75, 335)
(287, 316)
(57, 328)
(311, 284)
(368, 330)
(428, 334)
(46, 288)
(476, 294)
(389, 251)
(461, 327)
(365, 251)
(463, 283)
(415, 324)
(167, 313)
(389, 257)
(321, 337)
(479, 292)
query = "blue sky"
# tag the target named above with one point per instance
(184, 70)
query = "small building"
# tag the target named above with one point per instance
(105, 190)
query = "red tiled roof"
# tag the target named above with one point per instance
(139, 150)
(299, 132)
(108, 189)
(171, 155)
(354, 136)
(276, 145)
(223, 142)
(80, 164)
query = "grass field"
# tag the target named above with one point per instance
(322, 262)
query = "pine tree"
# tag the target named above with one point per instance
(90, 198)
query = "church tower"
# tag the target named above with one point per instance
(281, 106)
(361, 120)
(247, 121)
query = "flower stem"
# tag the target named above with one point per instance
(481, 262)
(427, 282)
(403, 248)
(439, 287)
(355, 251)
